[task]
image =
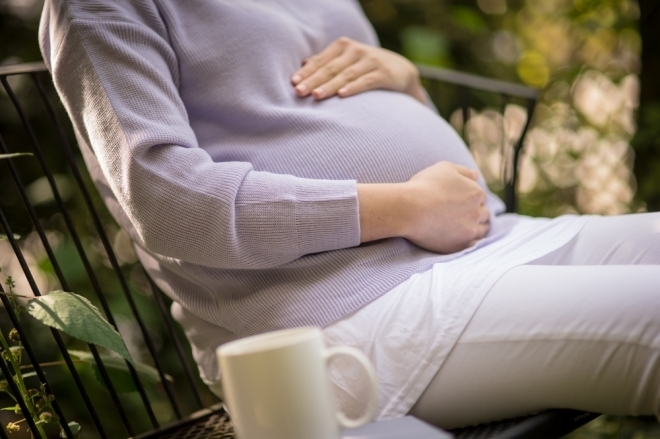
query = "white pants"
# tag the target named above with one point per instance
(578, 328)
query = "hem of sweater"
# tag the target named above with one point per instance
(401, 403)
(390, 276)
(328, 314)
(389, 273)
(165, 276)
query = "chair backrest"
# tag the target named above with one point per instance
(450, 89)
(70, 242)
(70, 231)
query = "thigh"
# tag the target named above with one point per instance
(586, 338)
(612, 240)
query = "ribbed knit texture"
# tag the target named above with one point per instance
(240, 196)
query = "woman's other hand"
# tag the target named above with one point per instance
(347, 67)
(442, 209)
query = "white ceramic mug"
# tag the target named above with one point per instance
(276, 386)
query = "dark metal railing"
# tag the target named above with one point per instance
(37, 87)
(506, 92)
(36, 73)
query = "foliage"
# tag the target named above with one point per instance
(118, 372)
(647, 138)
(76, 316)
(38, 402)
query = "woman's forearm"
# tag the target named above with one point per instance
(442, 209)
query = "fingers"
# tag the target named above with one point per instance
(482, 227)
(482, 231)
(368, 81)
(333, 50)
(484, 215)
(347, 83)
(467, 172)
(325, 81)
(334, 71)
(345, 67)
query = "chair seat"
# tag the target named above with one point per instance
(214, 423)
(550, 424)
(211, 423)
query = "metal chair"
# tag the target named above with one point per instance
(30, 120)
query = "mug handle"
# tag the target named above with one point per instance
(362, 359)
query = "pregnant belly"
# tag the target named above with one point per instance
(374, 137)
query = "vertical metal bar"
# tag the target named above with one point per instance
(510, 191)
(115, 265)
(111, 389)
(505, 150)
(3, 433)
(465, 110)
(169, 324)
(17, 393)
(90, 272)
(56, 334)
(63, 282)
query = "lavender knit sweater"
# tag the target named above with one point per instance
(239, 196)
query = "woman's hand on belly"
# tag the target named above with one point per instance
(347, 67)
(441, 209)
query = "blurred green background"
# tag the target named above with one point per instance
(594, 144)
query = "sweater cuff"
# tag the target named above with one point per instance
(295, 216)
(327, 215)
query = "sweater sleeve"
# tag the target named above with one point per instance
(118, 82)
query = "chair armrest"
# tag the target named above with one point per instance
(477, 82)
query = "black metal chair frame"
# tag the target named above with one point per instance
(208, 422)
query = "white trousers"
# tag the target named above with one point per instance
(578, 328)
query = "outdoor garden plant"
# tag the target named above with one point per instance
(78, 317)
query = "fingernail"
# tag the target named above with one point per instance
(318, 93)
(301, 88)
(296, 79)
(342, 91)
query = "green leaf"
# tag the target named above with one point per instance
(16, 154)
(76, 316)
(29, 374)
(75, 429)
(119, 373)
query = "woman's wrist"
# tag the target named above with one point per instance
(385, 210)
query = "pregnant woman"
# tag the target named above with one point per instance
(261, 195)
